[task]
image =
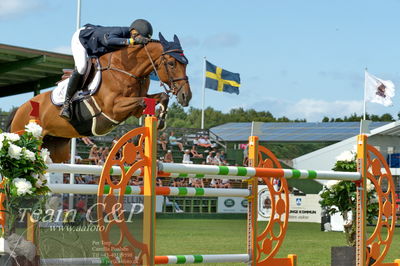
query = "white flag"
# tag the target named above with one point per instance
(378, 90)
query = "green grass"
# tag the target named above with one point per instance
(312, 246)
(212, 236)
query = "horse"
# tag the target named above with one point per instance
(121, 93)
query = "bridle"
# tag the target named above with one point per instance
(172, 81)
(174, 89)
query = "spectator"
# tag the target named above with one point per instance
(168, 158)
(163, 141)
(214, 183)
(210, 158)
(159, 182)
(216, 160)
(198, 183)
(114, 141)
(194, 152)
(208, 141)
(225, 183)
(173, 204)
(204, 143)
(99, 154)
(186, 157)
(105, 153)
(93, 155)
(177, 182)
(174, 141)
(246, 155)
(196, 141)
(79, 179)
(222, 157)
(78, 159)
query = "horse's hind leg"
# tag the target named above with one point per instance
(163, 99)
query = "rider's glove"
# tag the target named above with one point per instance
(140, 40)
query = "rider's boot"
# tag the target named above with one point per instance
(71, 89)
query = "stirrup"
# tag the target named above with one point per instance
(66, 111)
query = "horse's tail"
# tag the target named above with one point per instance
(10, 119)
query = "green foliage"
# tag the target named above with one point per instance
(177, 117)
(341, 197)
(356, 118)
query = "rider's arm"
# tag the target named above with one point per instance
(113, 40)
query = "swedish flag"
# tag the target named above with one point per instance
(221, 80)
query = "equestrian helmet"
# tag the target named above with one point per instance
(143, 27)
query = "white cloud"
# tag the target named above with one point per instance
(315, 110)
(310, 109)
(62, 49)
(9, 8)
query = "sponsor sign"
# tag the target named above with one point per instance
(135, 203)
(232, 205)
(302, 208)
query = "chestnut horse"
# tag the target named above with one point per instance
(125, 84)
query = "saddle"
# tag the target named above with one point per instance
(88, 84)
(87, 117)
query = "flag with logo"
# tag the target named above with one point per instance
(221, 80)
(378, 90)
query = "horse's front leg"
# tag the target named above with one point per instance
(162, 98)
(127, 106)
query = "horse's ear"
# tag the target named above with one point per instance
(176, 40)
(162, 39)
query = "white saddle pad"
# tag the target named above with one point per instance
(58, 94)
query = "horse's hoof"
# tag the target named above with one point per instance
(161, 125)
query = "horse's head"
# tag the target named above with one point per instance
(172, 70)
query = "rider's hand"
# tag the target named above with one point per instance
(140, 40)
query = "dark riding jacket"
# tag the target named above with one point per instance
(99, 40)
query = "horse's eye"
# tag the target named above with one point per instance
(171, 63)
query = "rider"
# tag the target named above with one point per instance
(94, 41)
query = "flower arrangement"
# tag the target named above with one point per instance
(23, 166)
(340, 196)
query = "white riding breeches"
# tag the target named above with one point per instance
(79, 53)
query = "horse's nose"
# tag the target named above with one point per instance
(185, 102)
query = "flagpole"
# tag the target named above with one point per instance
(204, 93)
(365, 94)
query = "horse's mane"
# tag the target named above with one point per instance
(152, 40)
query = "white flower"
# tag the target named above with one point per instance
(331, 183)
(23, 186)
(345, 156)
(44, 177)
(30, 155)
(370, 186)
(46, 155)
(14, 151)
(11, 137)
(34, 128)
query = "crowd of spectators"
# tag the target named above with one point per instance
(173, 149)
(202, 151)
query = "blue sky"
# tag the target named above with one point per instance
(300, 59)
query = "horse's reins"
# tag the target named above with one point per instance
(175, 90)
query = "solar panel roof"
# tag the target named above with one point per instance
(292, 132)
